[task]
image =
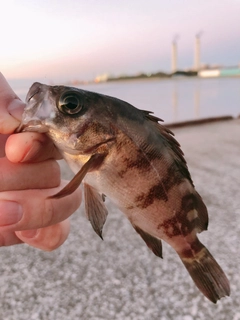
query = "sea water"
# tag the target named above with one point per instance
(171, 99)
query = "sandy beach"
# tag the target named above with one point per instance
(119, 278)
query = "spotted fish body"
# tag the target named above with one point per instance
(123, 153)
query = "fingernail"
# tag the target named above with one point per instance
(29, 233)
(16, 108)
(33, 153)
(10, 212)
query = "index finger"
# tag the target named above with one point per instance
(11, 108)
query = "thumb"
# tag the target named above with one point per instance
(11, 108)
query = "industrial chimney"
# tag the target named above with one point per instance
(174, 53)
(197, 52)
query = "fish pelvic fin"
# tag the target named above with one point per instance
(92, 164)
(95, 209)
(205, 272)
(153, 243)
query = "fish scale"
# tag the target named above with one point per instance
(123, 153)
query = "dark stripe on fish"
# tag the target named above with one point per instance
(195, 248)
(140, 163)
(160, 190)
(192, 215)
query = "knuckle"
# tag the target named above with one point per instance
(2, 240)
(51, 176)
(3, 183)
(56, 172)
(48, 214)
(3, 122)
(7, 124)
(55, 238)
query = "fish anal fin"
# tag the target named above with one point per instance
(153, 243)
(92, 164)
(95, 209)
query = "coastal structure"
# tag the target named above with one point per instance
(174, 53)
(101, 78)
(219, 72)
(197, 52)
(198, 69)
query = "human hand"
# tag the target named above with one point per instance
(29, 174)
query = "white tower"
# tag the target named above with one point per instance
(197, 59)
(174, 54)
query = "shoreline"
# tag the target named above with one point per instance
(201, 121)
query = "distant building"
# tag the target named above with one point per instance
(174, 56)
(101, 78)
(209, 73)
(219, 72)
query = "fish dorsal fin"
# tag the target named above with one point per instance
(153, 243)
(92, 164)
(171, 143)
(95, 209)
(149, 115)
(144, 129)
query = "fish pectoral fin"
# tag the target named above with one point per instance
(95, 209)
(153, 243)
(92, 164)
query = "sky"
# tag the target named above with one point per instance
(69, 39)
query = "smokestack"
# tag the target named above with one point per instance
(197, 59)
(174, 53)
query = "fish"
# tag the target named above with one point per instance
(126, 154)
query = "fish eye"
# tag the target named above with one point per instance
(70, 103)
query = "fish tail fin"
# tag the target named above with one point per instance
(205, 272)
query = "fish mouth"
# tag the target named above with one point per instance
(32, 126)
